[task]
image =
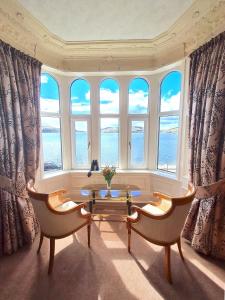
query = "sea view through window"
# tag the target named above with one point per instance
(110, 121)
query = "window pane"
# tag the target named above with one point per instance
(137, 145)
(51, 142)
(109, 141)
(168, 139)
(81, 143)
(170, 92)
(138, 96)
(49, 100)
(80, 97)
(109, 97)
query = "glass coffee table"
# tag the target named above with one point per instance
(119, 193)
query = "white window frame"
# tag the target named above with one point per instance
(119, 130)
(51, 115)
(169, 114)
(129, 146)
(109, 116)
(73, 141)
(123, 79)
(139, 117)
(80, 117)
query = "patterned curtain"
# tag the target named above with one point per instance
(205, 224)
(19, 145)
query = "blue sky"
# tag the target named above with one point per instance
(49, 87)
(109, 95)
(170, 91)
(138, 91)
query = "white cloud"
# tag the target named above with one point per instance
(87, 95)
(44, 78)
(78, 107)
(49, 105)
(74, 98)
(138, 100)
(113, 105)
(171, 103)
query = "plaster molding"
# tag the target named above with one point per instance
(202, 21)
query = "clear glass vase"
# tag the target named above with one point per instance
(108, 184)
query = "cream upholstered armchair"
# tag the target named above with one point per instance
(58, 217)
(161, 222)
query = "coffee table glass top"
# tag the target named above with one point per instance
(116, 191)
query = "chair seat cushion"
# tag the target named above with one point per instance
(153, 210)
(66, 206)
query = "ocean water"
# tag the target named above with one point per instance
(110, 150)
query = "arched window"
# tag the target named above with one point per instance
(81, 113)
(50, 123)
(80, 97)
(49, 94)
(138, 96)
(109, 122)
(170, 91)
(109, 97)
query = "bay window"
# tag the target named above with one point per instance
(110, 121)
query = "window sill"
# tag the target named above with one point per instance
(157, 173)
(52, 174)
(164, 174)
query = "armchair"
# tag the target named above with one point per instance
(58, 217)
(161, 222)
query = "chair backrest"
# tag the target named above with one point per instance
(179, 210)
(166, 228)
(55, 223)
(40, 205)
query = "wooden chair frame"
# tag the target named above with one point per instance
(47, 199)
(174, 201)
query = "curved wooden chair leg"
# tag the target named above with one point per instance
(52, 253)
(40, 242)
(129, 237)
(89, 235)
(180, 249)
(167, 265)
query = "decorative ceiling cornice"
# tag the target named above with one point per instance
(202, 21)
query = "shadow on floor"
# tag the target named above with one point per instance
(104, 272)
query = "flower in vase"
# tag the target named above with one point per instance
(108, 173)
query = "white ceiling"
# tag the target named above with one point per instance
(97, 20)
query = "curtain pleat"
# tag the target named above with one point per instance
(19, 145)
(205, 224)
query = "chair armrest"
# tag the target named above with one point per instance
(155, 203)
(57, 193)
(162, 196)
(163, 204)
(65, 200)
(56, 198)
(69, 211)
(85, 214)
(141, 212)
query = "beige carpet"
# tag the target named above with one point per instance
(107, 271)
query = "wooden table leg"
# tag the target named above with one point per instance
(129, 207)
(90, 206)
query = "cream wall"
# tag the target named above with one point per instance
(203, 20)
